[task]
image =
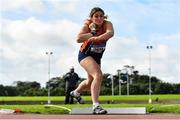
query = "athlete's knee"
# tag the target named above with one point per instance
(98, 75)
(88, 82)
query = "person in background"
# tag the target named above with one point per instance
(71, 80)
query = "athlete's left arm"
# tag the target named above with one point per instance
(108, 34)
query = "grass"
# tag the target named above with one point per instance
(37, 109)
(41, 109)
(88, 98)
(141, 97)
(31, 98)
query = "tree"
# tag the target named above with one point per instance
(140, 85)
(164, 88)
(27, 88)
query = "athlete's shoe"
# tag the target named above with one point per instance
(78, 97)
(99, 110)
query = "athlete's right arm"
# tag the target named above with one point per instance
(84, 34)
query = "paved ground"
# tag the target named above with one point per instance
(90, 117)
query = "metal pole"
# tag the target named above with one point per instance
(119, 81)
(49, 87)
(127, 77)
(149, 49)
(112, 85)
(127, 83)
(120, 87)
(131, 73)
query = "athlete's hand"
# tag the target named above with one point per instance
(93, 39)
(93, 28)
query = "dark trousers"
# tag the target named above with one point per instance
(68, 98)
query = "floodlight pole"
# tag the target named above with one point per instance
(49, 87)
(150, 97)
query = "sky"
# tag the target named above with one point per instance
(30, 28)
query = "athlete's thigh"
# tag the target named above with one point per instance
(90, 65)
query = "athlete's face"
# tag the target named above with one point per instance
(98, 18)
